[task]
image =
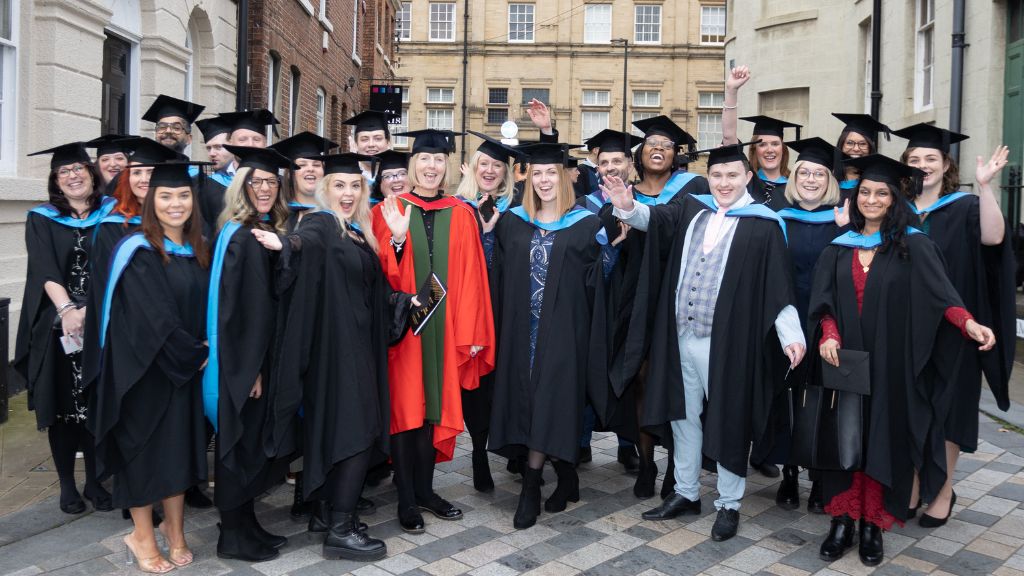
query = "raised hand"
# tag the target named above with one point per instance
(269, 240)
(738, 76)
(464, 169)
(540, 115)
(842, 217)
(488, 225)
(986, 171)
(397, 221)
(615, 189)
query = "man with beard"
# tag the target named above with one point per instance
(173, 119)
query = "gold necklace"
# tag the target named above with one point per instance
(867, 267)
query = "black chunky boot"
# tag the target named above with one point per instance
(482, 480)
(839, 539)
(273, 540)
(300, 508)
(788, 496)
(344, 540)
(568, 489)
(529, 500)
(237, 542)
(644, 486)
(871, 550)
(321, 515)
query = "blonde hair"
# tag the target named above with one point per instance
(362, 214)
(565, 200)
(238, 207)
(470, 190)
(831, 196)
(413, 182)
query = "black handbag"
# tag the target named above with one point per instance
(852, 375)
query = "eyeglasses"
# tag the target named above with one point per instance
(77, 169)
(659, 143)
(270, 183)
(817, 174)
(856, 145)
(173, 127)
(395, 176)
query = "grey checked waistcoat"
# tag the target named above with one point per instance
(698, 291)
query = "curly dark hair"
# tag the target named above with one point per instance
(60, 202)
(950, 178)
(680, 158)
(894, 225)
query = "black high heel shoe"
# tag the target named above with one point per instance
(70, 500)
(927, 521)
(100, 498)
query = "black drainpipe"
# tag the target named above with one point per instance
(956, 97)
(465, 77)
(876, 59)
(242, 62)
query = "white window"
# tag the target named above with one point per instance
(712, 24)
(8, 79)
(190, 64)
(646, 98)
(440, 95)
(406, 95)
(709, 130)
(520, 22)
(440, 118)
(403, 22)
(402, 126)
(442, 21)
(711, 100)
(648, 24)
(355, 30)
(596, 98)
(593, 122)
(637, 116)
(321, 110)
(293, 101)
(924, 60)
(273, 89)
(597, 24)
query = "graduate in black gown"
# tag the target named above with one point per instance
(58, 238)
(548, 290)
(111, 159)
(859, 138)
(342, 316)
(306, 151)
(882, 289)
(812, 222)
(661, 166)
(393, 177)
(148, 407)
(974, 239)
(769, 159)
(721, 326)
(241, 327)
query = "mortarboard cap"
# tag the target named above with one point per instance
(928, 136)
(768, 126)
(346, 163)
(304, 145)
(213, 127)
(391, 159)
(171, 174)
(814, 150)
(144, 150)
(609, 140)
(878, 168)
(863, 124)
(256, 120)
(65, 154)
(107, 144)
(495, 148)
(547, 153)
(664, 126)
(165, 106)
(370, 120)
(266, 159)
(432, 141)
(723, 154)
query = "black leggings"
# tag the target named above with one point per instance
(413, 455)
(65, 440)
(345, 481)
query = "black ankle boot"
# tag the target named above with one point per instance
(70, 500)
(345, 540)
(268, 539)
(839, 539)
(482, 480)
(644, 487)
(629, 459)
(300, 508)
(816, 499)
(668, 485)
(788, 496)
(237, 541)
(568, 489)
(871, 550)
(98, 495)
(529, 500)
(320, 516)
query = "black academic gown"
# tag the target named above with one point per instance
(984, 278)
(148, 406)
(211, 203)
(771, 194)
(913, 353)
(542, 409)
(745, 349)
(247, 313)
(340, 319)
(38, 355)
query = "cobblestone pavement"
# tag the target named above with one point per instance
(601, 535)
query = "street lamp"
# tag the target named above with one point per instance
(625, 73)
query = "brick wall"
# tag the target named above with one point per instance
(378, 46)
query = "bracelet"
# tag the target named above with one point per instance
(724, 107)
(63, 308)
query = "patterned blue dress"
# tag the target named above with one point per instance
(540, 256)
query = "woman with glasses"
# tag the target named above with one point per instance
(150, 430)
(394, 176)
(48, 354)
(251, 418)
(859, 138)
(973, 238)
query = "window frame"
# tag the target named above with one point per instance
(294, 99)
(924, 46)
(589, 27)
(433, 113)
(273, 89)
(431, 21)
(596, 98)
(404, 25)
(525, 101)
(642, 114)
(703, 141)
(654, 8)
(402, 126)
(710, 40)
(441, 91)
(321, 111)
(9, 93)
(646, 100)
(714, 95)
(593, 114)
(492, 102)
(532, 23)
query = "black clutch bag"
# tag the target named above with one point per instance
(852, 375)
